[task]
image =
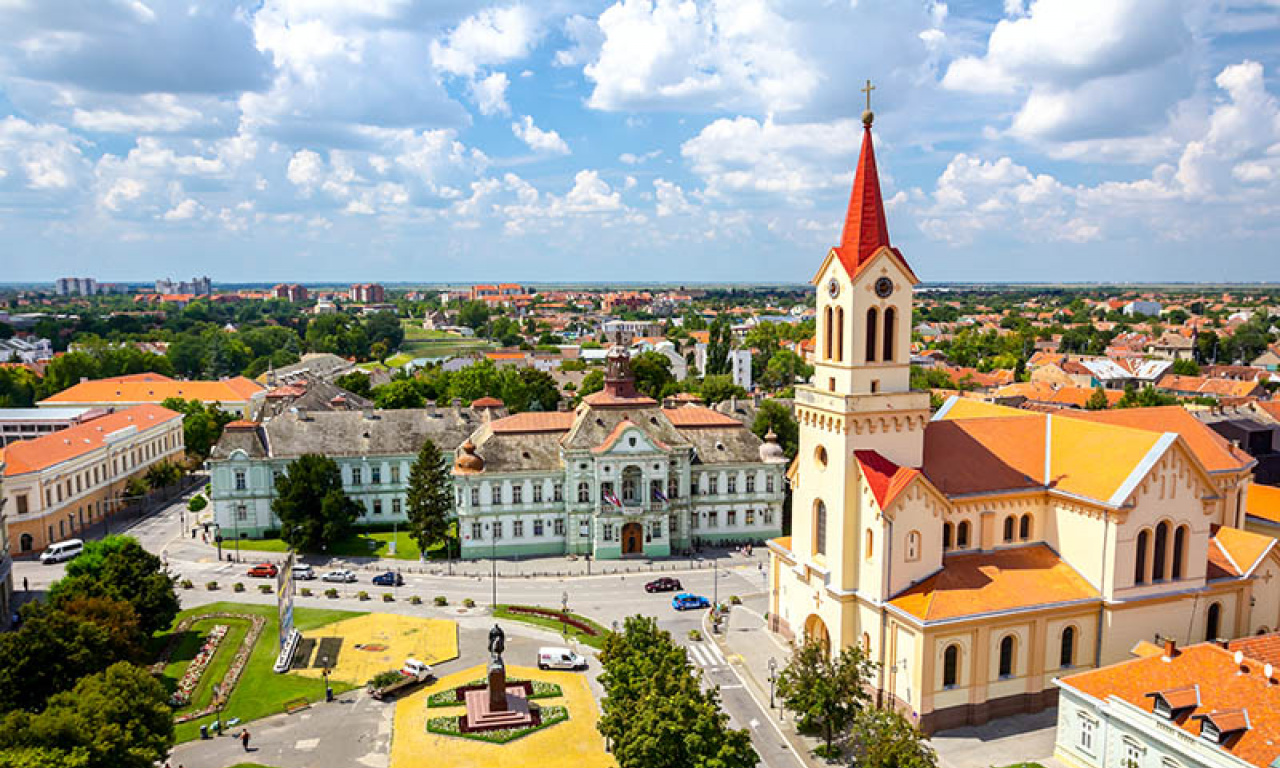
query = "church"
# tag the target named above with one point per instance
(978, 552)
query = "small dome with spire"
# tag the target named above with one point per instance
(770, 451)
(468, 461)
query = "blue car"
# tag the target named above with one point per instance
(685, 601)
(389, 579)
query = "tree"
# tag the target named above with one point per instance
(826, 691)
(783, 368)
(18, 387)
(773, 415)
(474, 315)
(127, 640)
(201, 425)
(384, 327)
(653, 374)
(402, 393)
(718, 349)
(1184, 367)
(313, 509)
(883, 738)
(429, 501)
(1098, 400)
(718, 387)
(592, 382)
(655, 713)
(118, 718)
(48, 654)
(119, 568)
(162, 474)
(1147, 397)
(356, 382)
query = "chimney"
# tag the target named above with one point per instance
(1170, 648)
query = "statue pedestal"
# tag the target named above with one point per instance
(498, 705)
(497, 686)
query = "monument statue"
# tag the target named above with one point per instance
(497, 641)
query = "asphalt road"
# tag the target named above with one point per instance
(304, 740)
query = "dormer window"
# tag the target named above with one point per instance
(1175, 702)
(1219, 726)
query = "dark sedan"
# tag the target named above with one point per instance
(388, 579)
(664, 584)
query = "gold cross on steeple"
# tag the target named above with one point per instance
(867, 90)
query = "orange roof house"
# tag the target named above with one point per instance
(234, 395)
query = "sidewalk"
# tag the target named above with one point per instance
(748, 645)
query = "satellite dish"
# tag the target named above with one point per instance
(1239, 658)
(1267, 669)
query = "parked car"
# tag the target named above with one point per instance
(304, 572)
(263, 570)
(388, 579)
(664, 584)
(560, 658)
(63, 550)
(342, 576)
(685, 601)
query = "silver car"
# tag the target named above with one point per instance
(342, 576)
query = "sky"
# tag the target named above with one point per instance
(636, 140)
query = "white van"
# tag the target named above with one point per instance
(303, 572)
(63, 550)
(560, 658)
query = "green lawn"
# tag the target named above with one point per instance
(596, 641)
(261, 691)
(186, 650)
(355, 545)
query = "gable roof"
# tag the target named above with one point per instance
(154, 388)
(1263, 502)
(886, 479)
(1213, 451)
(56, 447)
(1234, 553)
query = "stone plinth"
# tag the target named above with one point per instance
(497, 686)
(515, 712)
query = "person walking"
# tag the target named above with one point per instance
(244, 739)
(25, 588)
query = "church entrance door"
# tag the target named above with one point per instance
(632, 539)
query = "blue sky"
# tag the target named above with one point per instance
(326, 140)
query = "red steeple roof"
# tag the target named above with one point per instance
(865, 230)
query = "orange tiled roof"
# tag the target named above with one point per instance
(1213, 451)
(47, 450)
(1235, 553)
(1223, 693)
(153, 388)
(697, 416)
(886, 479)
(534, 421)
(1263, 501)
(486, 402)
(980, 583)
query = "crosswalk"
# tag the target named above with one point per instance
(706, 655)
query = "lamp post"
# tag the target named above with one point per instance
(773, 677)
(325, 661)
(564, 613)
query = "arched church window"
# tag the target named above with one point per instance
(1140, 558)
(1067, 651)
(1212, 619)
(1179, 551)
(826, 334)
(950, 666)
(839, 324)
(890, 316)
(1024, 527)
(872, 335)
(1008, 529)
(946, 536)
(819, 527)
(1159, 551)
(962, 535)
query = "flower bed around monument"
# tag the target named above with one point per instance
(533, 689)
(222, 691)
(453, 726)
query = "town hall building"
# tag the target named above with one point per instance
(979, 552)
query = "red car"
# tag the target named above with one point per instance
(664, 584)
(263, 570)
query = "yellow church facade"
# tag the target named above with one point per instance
(980, 551)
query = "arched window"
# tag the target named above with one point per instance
(1006, 656)
(1212, 619)
(962, 535)
(890, 315)
(1067, 651)
(839, 323)
(584, 493)
(1024, 527)
(946, 536)
(1179, 551)
(819, 527)
(872, 336)
(869, 547)
(1159, 551)
(950, 666)
(913, 546)
(26, 543)
(826, 334)
(1140, 559)
(1008, 529)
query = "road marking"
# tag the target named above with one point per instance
(715, 654)
(306, 745)
(754, 723)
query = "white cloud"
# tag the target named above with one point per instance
(491, 37)
(586, 38)
(306, 170)
(538, 139)
(38, 157)
(157, 113)
(670, 198)
(490, 94)
(627, 158)
(182, 211)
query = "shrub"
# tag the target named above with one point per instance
(362, 595)
(186, 584)
(197, 503)
(442, 600)
(306, 591)
(238, 586)
(331, 592)
(211, 585)
(735, 600)
(387, 597)
(469, 603)
(415, 600)
(695, 635)
(383, 679)
(265, 588)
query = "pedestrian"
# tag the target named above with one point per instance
(25, 588)
(244, 739)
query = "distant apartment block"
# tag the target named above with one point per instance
(75, 286)
(367, 293)
(290, 291)
(199, 286)
(29, 423)
(1141, 307)
(27, 350)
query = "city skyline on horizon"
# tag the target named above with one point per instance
(637, 142)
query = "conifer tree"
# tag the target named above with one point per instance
(430, 498)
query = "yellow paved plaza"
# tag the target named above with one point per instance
(430, 640)
(572, 744)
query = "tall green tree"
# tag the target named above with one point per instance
(429, 501)
(824, 690)
(883, 738)
(718, 349)
(313, 508)
(18, 387)
(718, 387)
(118, 567)
(118, 718)
(653, 374)
(773, 415)
(356, 382)
(48, 654)
(201, 425)
(1098, 400)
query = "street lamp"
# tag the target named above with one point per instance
(564, 613)
(328, 695)
(773, 677)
